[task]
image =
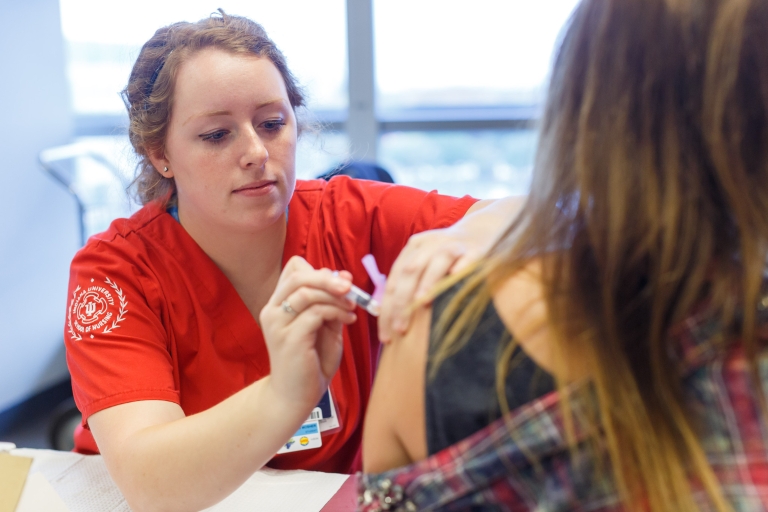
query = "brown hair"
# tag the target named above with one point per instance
(649, 198)
(149, 93)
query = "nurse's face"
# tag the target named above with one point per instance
(231, 142)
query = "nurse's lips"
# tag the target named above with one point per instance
(256, 188)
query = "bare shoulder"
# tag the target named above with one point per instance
(522, 308)
(520, 304)
(395, 430)
(394, 434)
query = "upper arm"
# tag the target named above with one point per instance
(388, 214)
(405, 212)
(395, 431)
(117, 343)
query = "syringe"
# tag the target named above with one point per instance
(363, 300)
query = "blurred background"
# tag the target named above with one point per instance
(442, 94)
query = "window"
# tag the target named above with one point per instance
(104, 38)
(482, 163)
(478, 69)
(479, 53)
(457, 86)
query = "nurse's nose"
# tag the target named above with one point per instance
(255, 152)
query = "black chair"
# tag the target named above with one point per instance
(360, 170)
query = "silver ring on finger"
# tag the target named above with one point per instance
(287, 307)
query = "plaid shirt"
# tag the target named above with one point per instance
(492, 470)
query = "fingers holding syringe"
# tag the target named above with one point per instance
(300, 286)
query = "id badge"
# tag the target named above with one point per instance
(307, 437)
(330, 418)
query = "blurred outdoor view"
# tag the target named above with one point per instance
(429, 54)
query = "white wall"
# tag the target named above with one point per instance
(38, 219)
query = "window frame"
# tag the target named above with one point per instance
(363, 122)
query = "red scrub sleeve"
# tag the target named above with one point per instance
(117, 346)
(387, 215)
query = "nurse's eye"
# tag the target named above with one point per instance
(214, 137)
(273, 125)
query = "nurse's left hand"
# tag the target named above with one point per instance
(426, 258)
(432, 255)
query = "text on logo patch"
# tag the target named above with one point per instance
(96, 309)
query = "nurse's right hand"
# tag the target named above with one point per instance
(302, 325)
(163, 459)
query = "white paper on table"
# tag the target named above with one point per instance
(81, 481)
(51, 463)
(83, 484)
(38, 494)
(270, 489)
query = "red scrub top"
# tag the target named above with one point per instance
(151, 317)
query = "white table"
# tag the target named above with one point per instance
(84, 485)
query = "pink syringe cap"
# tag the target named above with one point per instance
(379, 280)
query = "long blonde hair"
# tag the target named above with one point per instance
(650, 195)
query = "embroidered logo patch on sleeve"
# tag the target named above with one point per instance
(96, 308)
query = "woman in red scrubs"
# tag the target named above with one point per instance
(200, 333)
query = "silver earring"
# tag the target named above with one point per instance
(165, 169)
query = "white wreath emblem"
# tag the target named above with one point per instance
(75, 336)
(123, 304)
(123, 309)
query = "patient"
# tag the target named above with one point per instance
(610, 352)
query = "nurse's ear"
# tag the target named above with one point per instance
(161, 164)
